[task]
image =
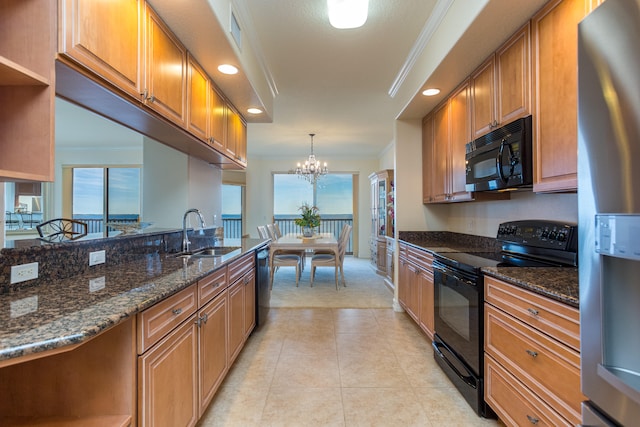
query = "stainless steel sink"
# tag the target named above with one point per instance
(209, 252)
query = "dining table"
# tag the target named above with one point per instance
(297, 242)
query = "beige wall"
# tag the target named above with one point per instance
(259, 209)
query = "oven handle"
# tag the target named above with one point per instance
(468, 379)
(451, 274)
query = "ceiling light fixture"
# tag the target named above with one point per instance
(254, 110)
(431, 92)
(345, 14)
(227, 69)
(311, 170)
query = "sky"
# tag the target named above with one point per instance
(124, 191)
(334, 194)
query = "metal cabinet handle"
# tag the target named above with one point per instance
(176, 311)
(532, 353)
(532, 420)
(533, 311)
(202, 320)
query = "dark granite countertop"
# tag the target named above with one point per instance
(57, 313)
(558, 283)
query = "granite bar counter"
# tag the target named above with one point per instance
(54, 313)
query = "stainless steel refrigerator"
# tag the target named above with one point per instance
(609, 212)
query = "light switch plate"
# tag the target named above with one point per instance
(97, 257)
(24, 272)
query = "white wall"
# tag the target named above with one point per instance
(205, 190)
(260, 191)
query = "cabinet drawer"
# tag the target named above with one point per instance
(422, 259)
(211, 286)
(513, 402)
(403, 250)
(157, 321)
(555, 319)
(548, 368)
(240, 266)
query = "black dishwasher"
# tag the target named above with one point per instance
(263, 293)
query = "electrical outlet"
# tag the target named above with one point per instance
(471, 225)
(97, 284)
(97, 257)
(24, 272)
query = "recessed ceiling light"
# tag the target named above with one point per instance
(431, 92)
(348, 13)
(227, 69)
(254, 111)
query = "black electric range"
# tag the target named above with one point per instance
(459, 296)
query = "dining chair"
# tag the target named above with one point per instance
(329, 259)
(275, 234)
(281, 259)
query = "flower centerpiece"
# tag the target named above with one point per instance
(309, 219)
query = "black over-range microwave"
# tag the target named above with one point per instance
(501, 159)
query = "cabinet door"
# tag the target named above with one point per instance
(249, 281)
(425, 282)
(105, 37)
(483, 104)
(165, 70)
(403, 282)
(460, 135)
(428, 159)
(213, 348)
(241, 142)
(439, 175)
(513, 68)
(236, 319)
(232, 133)
(168, 379)
(555, 59)
(415, 293)
(197, 99)
(217, 120)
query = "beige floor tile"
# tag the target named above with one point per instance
(307, 371)
(387, 407)
(371, 370)
(308, 406)
(447, 407)
(236, 406)
(423, 371)
(355, 320)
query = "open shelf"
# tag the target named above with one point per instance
(96, 421)
(12, 74)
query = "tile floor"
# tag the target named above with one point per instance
(338, 367)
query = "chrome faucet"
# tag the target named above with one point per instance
(185, 239)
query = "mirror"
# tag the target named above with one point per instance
(87, 142)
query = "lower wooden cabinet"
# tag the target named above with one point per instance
(168, 379)
(415, 285)
(236, 319)
(531, 349)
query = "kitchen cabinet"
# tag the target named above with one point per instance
(532, 362)
(165, 70)
(390, 264)
(382, 222)
(27, 89)
(217, 136)
(92, 384)
(501, 86)
(444, 151)
(105, 37)
(415, 281)
(555, 59)
(242, 304)
(197, 99)
(236, 138)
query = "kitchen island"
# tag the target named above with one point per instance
(71, 349)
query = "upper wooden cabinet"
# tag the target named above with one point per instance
(217, 120)
(165, 70)
(501, 86)
(236, 141)
(105, 36)
(197, 100)
(27, 90)
(444, 150)
(555, 59)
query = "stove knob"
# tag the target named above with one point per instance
(562, 236)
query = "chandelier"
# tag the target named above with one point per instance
(311, 170)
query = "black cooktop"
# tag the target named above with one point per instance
(469, 262)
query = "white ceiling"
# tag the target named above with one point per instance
(312, 78)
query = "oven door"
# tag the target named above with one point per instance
(458, 314)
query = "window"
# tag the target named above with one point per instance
(333, 195)
(105, 194)
(232, 196)
(24, 204)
